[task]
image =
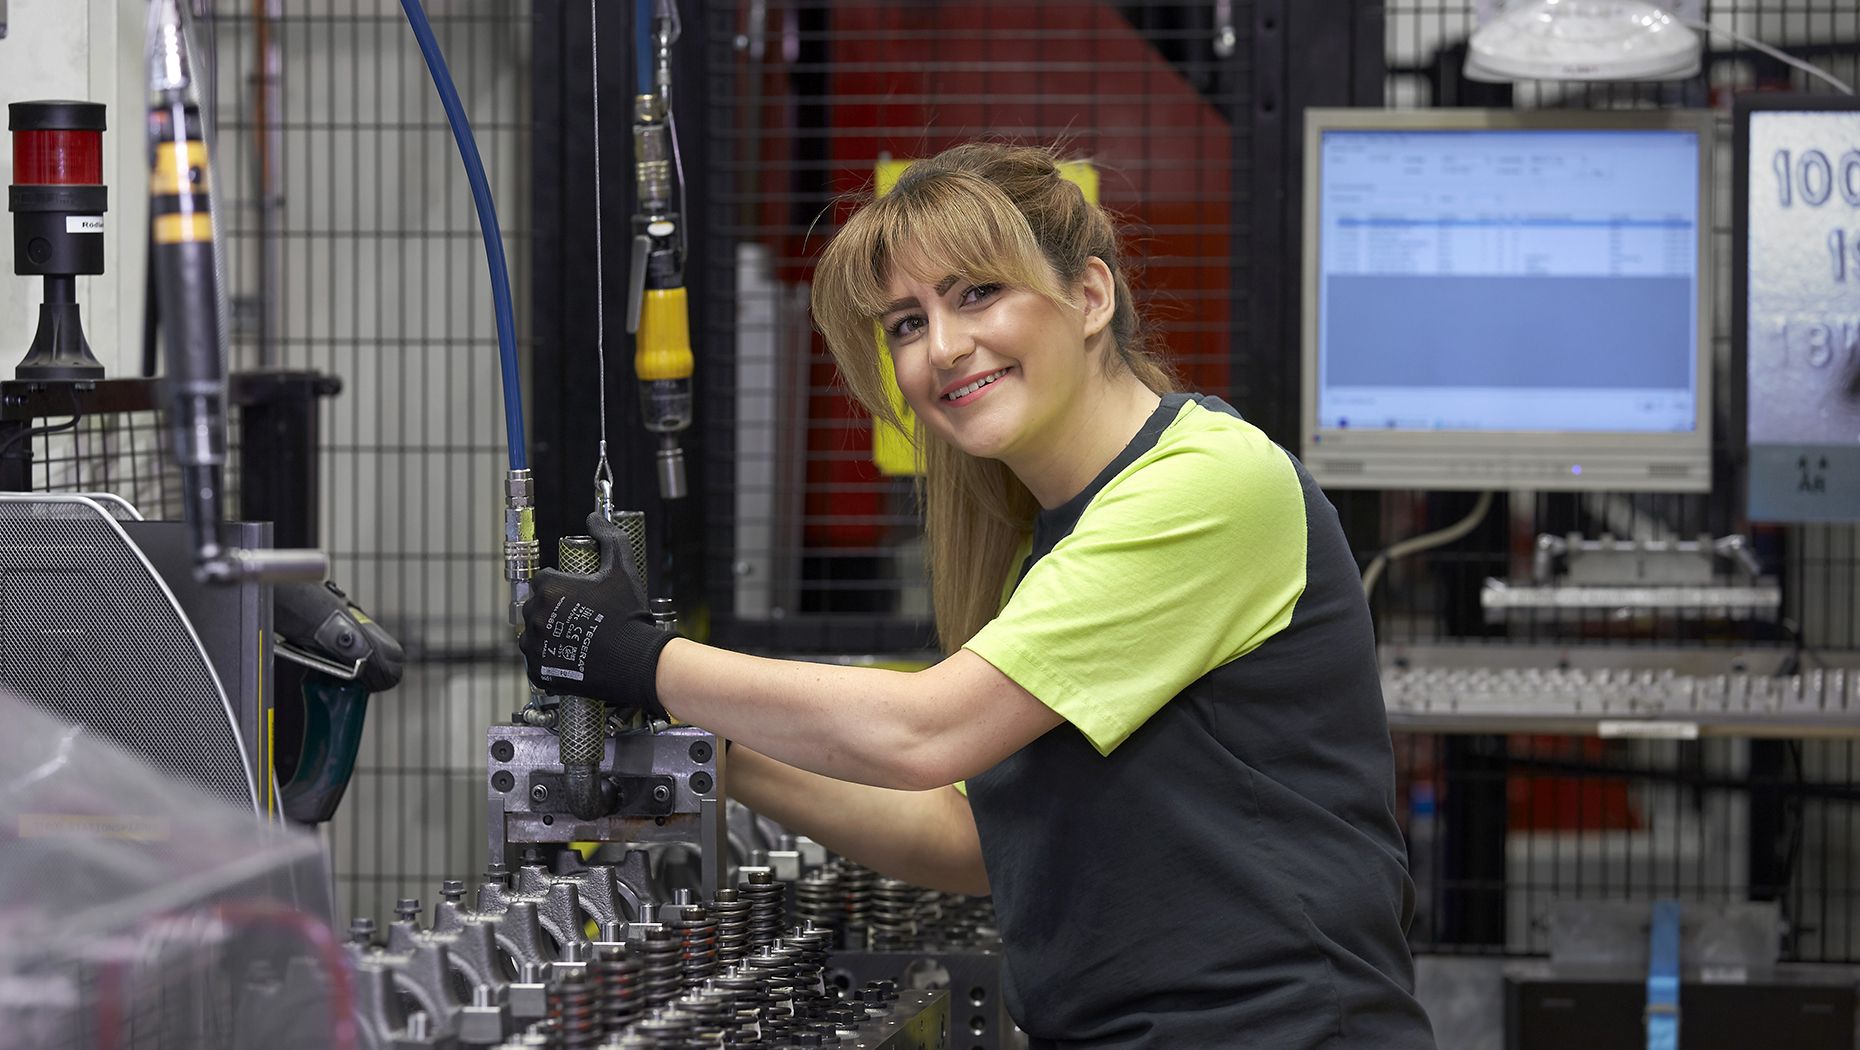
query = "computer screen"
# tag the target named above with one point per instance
(1498, 299)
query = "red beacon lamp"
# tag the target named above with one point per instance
(58, 200)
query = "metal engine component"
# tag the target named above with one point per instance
(581, 722)
(610, 894)
(555, 912)
(386, 980)
(667, 788)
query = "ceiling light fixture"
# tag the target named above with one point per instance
(1583, 40)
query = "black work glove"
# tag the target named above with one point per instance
(592, 636)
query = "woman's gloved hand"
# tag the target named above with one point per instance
(593, 636)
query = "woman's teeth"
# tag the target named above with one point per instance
(962, 392)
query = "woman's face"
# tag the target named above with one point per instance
(989, 368)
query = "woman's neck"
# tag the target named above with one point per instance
(1099, 429)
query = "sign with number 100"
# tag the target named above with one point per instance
(1800, 227)
(1813, 179)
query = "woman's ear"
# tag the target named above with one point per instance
(1098, 296)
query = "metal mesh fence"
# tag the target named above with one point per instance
(807, 101)
(125, 453)
(353, 250)
(1586, 818)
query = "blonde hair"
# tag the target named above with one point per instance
(989, 213)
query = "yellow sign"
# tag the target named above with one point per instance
(892, 450)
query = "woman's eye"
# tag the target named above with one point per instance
(980, 292)
(903, 327)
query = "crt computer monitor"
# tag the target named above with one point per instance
(1502, 299)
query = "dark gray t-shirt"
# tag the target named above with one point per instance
(1207, 853)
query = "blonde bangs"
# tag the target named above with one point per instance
(944, 224)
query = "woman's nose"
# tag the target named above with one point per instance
(950, 342)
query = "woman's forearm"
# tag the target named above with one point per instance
(848, 723)
(923, 837)
(913, 731)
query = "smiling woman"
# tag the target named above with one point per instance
(979, 216)
(1161, 680)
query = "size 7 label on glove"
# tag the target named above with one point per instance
(570, 631)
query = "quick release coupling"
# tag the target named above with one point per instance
(520, 553)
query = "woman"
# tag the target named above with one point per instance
(1161, 688)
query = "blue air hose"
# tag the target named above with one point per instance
(487, 225)
(646, 44)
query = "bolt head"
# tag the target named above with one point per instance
(539, 793)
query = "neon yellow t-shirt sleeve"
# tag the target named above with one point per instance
(1190, 558)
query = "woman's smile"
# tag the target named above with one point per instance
(968, 391)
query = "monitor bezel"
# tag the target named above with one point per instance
(1496, 459)
(1743, 109)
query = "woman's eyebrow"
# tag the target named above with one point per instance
(910, 302)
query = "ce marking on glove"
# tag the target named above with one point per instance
(569, 636)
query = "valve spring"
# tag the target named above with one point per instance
(817, 899)
(668, 1029)
(544, 1033)
(972, 922)
(575, 1009)
(698, 932)
(710, 1013)
(622, 984)
(793, 972)
(745, 992)
(855, 900)
(766, 905)
(663, 966)
(777, 979)
(732, 913)
(893, 919)
(813, 944)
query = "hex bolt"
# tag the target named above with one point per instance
(539, 793)
(453, 890)
(498, 873)
(362, 930)
(407, 909)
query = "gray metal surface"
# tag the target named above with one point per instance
(971, 979)
(686, 762)
(919, 1021)
(1745, 937)
(1623, 703)
(90, 631)
(1736, 601)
